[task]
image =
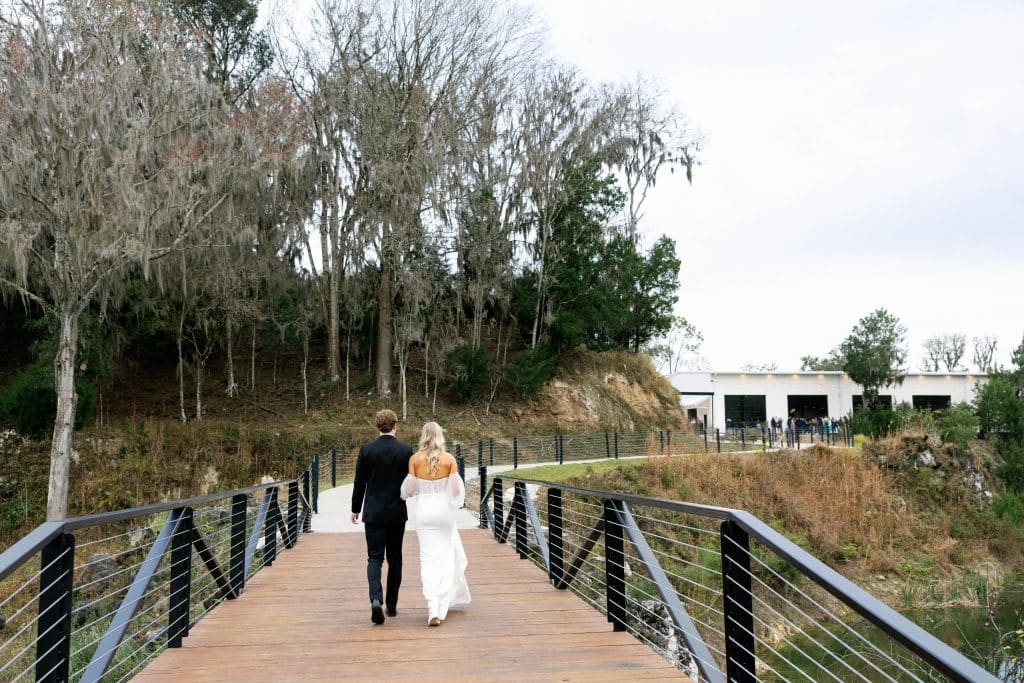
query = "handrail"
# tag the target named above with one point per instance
(926, 646)
(53, 544)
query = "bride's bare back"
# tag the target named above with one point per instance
(420, 467)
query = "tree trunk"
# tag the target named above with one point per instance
(384, 338)
(181, 365)
(305, 375)
(232, 387)
(200, 363)
(335, 284)
(325, 256)
(252, 361)
(433, 408)
(540, 293)
(402, 365)
(348, 363)
(426, 369)
(64, 425)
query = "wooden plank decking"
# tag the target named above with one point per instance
(307, 618)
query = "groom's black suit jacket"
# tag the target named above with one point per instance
(380, 468)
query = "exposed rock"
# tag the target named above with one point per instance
(99, 568)
(655, 626)
(143, 536)
(962, 473)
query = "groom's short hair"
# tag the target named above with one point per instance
(386, 420)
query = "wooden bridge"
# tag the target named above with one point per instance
(268, 583)
(307, 618)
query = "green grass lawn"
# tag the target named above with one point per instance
(568, 470)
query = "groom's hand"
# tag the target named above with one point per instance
(355, 518)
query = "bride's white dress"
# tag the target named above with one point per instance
(442, 557)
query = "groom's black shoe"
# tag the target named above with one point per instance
(376, 613)
(392, 611)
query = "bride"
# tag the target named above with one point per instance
(434, 481)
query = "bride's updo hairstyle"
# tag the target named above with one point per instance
(432, 443)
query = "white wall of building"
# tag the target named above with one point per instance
(837, 387)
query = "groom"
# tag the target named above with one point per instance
(380, 468)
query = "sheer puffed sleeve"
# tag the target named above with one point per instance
(409, 487)
(458, 489)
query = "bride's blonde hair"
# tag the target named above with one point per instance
(432, 442)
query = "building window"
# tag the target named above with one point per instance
(931, 402)
(744, 410)
(884, 400)
(808, 406)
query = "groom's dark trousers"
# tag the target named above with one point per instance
(380, 468)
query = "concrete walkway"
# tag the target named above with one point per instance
(335, 514)
(336, 504)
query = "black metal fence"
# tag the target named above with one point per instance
(338, 464)
(716, 591)
(108, 592)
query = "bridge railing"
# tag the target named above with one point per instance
(97, 597)
(716, 591)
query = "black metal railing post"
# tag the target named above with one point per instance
(661, 442)
(334, 468)
(181, 580)
(490, 452)
(460, 464)
(270, 530)
(515, 452)
(555, 547)
(705, 433)
(316, 483)
(519, 511)
(560, 443)
(614, 567)
(616, 444)
(293, 514)
(743, 438)
(236, 572)
(738, 605)
(718, 439)
(498, 497)
(482, 473)
(56, 585)
(607, 446)
(479, 452)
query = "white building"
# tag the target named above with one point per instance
(735, 398)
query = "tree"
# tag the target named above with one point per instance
(235, 53)
(835, 360)
(759, 367)
(934, 349)
(875, 353)
(679, 349)
(649, 136)
(984, 352)
(114, 150)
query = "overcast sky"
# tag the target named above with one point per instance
(858, 155)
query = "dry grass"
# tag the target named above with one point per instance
(842, 507)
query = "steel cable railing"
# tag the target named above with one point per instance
(715, 591)
(102, 605)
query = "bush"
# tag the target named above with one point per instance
(1012, 469)
(958, 425)
(471, 372)
(1009, 506)
(873, 422)
(30, 400)
(531, 370)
